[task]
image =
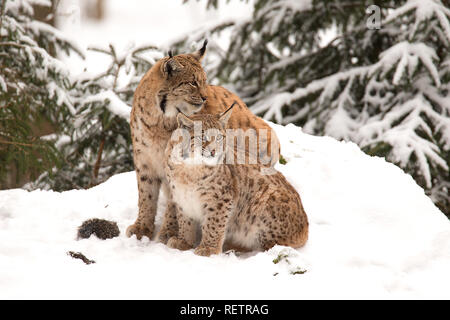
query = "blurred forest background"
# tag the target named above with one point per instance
(68, 70)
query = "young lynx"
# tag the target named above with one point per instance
(235, 203)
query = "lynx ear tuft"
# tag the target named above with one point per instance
(199, 54)
(225, 116)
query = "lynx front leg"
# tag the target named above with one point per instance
(186, 233)
(148, 187)
(213, 230)
(169, 227)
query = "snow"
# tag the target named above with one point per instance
(115, 104)
(39, 27)
(398, 56)
(279, 10)
(373, 234)
(3, 85)
(403, 137)
(373, 231)
(405, 110)
(161, 23)
(62, 97)
(408, 53)
(424, 11)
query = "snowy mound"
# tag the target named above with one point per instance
(373, 234)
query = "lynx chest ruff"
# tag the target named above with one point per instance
(186, 181)
(187, 198)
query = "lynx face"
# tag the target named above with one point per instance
(206, 148)
(203, 141)
(185, 85)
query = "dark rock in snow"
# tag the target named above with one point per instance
(103, 229)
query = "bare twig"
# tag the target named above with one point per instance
(16, 143)
(79, 255)
(99, 159)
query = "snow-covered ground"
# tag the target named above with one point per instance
(373, 234)
(373, 231)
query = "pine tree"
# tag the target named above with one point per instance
(33, 88)
(89, 140)
(386, 89)
(97, 143)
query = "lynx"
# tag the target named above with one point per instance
(176, 84)
(232, 202)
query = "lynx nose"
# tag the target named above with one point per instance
(212, 152)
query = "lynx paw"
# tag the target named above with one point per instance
(206, 251)
(140, 230)
(180, 244)
(166, 234)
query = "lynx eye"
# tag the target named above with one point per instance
(193, 84)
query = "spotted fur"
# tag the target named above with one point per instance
(232, 202)
(174, 84)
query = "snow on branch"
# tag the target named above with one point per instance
(273, 104)
(61, 95)
(424, 10)
(195, 36)
(38, 27)
(402, 56)
(404, 137)
(405, 55)
(276, 13)
(115, 105)
(3, 85)
(286, 5)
